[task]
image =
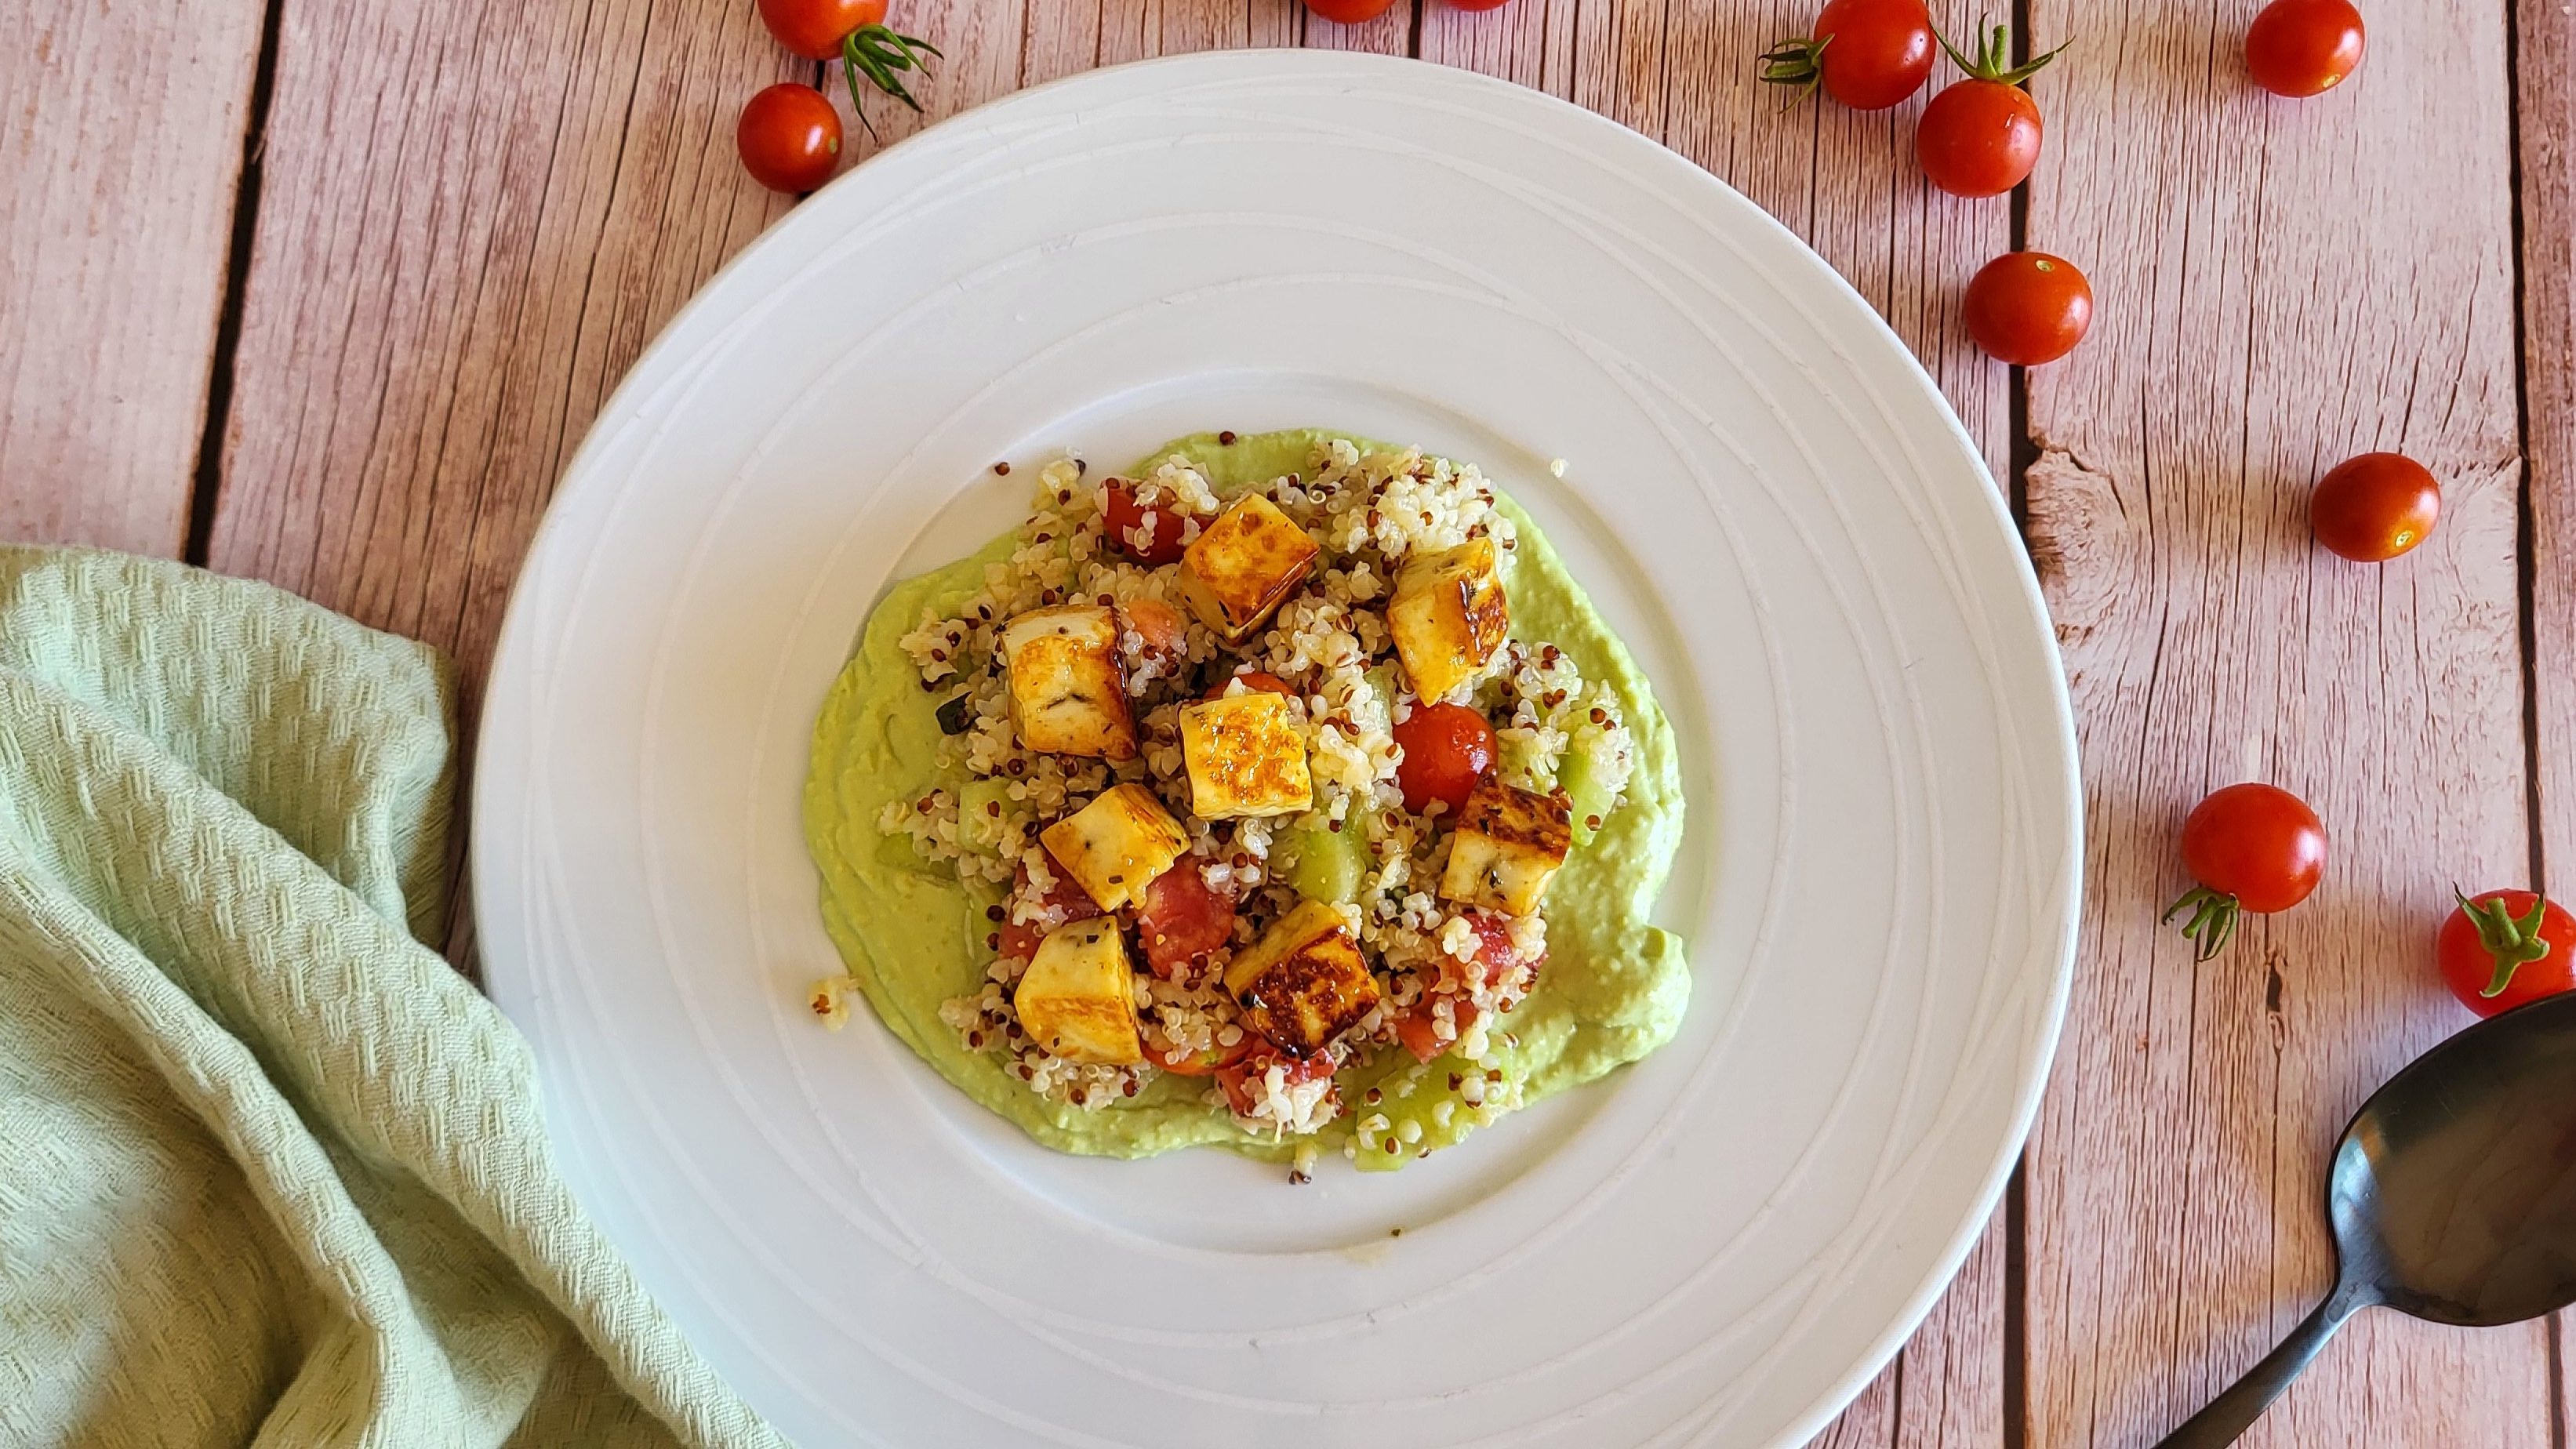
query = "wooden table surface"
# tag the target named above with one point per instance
(326, 292)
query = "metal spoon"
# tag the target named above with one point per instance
(2452, 1197)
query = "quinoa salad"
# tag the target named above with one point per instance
(1250, 797)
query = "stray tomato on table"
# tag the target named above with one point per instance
(1980, 135)
(1867, 54)
(2028, 308)
(2302, 48)
(2252, 847)
(2501, 949)
(2372, 508)
(789, 138)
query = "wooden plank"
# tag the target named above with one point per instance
(2279, 285)
(495, 206)
(122, 147)
(2546, 77)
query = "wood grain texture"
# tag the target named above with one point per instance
(122, 146)
(472, 220)
(2279, 285)
(2545, 62)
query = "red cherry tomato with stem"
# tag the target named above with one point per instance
(1868, 54)
(789, 137)
(1447, 749)
(2301, 48)
(1349, 12)
(2028, 308)
(1980, 135)
(814, 29)
(2252, 847)
(2502, 949)
(2372, 508)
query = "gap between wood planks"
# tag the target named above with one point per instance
(208, 483)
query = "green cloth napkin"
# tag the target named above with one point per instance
(270, 1171)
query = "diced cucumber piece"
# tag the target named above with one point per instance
(1328, 865)
(1584, 777)
(981, 804)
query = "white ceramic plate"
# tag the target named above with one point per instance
(1767, 496)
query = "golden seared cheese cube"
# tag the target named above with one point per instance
(1068, 695)
(1304, 982)
(1116, 844)
(1243, 565)
(1245, 757)
(1448, 616)
(1508, 846)
(1077, 1000)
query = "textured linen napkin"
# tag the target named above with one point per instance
(270, 1171)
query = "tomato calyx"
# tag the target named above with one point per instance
(2212, 923)
(2513, 943)
(883, 54)
(1993, 60)
(1798, 62)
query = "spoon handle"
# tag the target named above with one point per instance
(2232, 1412)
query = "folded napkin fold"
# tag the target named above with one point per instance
(270, 1171)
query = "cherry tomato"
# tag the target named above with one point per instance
(1349, 12)
(1869, 54)
(1156, 623)
(1260, 679)
(789, 137)
(2028, 308)
(1064, 902)
(1980, 135)
(1237, 1079)
(814, 28)
(1496, 957)
(2253, 848)
(2502, 949)
(1125, 515)
(1422, 1038)
(2300, 48)
(1447, 749)
(2372, 508)
(1183, 919)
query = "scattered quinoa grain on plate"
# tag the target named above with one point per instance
(1113, 825)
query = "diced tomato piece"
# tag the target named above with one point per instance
(1237, 1080)
(1495, 959)
(1447, 749)
(1205, 1064)
(1125, 515)
(1064, 901)
(1157, 623)
(1252, 679)
(1183, 919)
(1416, 1032)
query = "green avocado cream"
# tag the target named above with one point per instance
(1612, 990)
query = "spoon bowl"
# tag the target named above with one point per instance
(2452, 1197)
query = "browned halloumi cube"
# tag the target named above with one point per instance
(1077, 999)
(1247, 561)
(1448, 616)
(1304, 982)
(1508, 846)
(1245, 756)
(1116, 845)
(1068, 693)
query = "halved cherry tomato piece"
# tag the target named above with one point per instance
(1496, 957)
(2500, 949)
(1447, 749)
(1125, 515)
(1064, 901)
(1236, 1080)
(2252, 847)
(1203, 1064)
(1157, 623)
(1420, 1038)
(1183, 919)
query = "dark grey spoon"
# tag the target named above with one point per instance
(2452, 1195)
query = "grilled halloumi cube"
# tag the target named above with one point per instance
(1077, 1000)
(1508, 846)
(1116, 845)
(1448, 616)
(1304, 982)
(1068, 694)
(1245, 757)
(1248, 559)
